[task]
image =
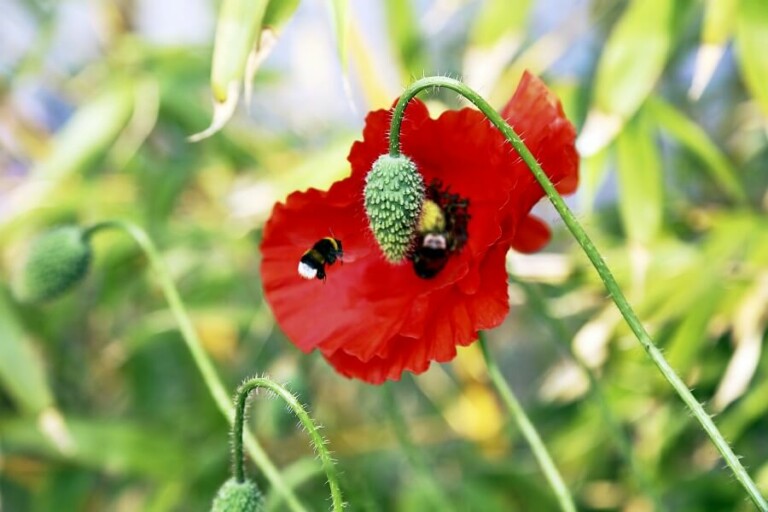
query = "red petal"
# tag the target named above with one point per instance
(312, 312)
(455, 319)
(531, 235)
(537, 116)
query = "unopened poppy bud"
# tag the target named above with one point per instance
(236, 496)
(394, 194)
(57, 260)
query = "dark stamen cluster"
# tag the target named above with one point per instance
(436, 241)
(455, 208)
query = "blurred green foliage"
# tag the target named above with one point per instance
(101, 407)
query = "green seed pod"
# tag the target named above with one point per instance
(57, 260)
(394, 194)
(236, 496)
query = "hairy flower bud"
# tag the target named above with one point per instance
(236, 496)
(57, 260)
(394, 194)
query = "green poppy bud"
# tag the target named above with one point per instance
(236, 496)
(394, 194)
(57, 260)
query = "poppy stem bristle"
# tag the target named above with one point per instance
(200, 357)
(595, 258)
(318, 441)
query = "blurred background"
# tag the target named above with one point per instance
(101, 407)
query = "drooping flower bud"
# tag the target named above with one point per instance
(57, 260)
(394, 194)
(236, 496)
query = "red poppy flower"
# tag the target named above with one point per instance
(372, 319)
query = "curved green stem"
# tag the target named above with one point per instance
(594, 256)
(596, 390)
(551, 473)
(318, 441)
(200, 357)
(415, 457)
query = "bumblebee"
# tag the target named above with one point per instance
(442, 230)
(324, 252)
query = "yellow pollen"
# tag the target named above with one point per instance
(432, 219)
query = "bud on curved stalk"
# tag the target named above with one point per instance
(57, 261)
(318, 442)
(394, 195)
(234, 496)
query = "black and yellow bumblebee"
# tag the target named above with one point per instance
(441, 231)
(324, 252)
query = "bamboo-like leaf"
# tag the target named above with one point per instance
(372, 84)
(406, 37)
(340, 17)
(278, 13)
(693, 137)
(751, 408)
(119, 448)
(496, 36)
(496, 19)
(87, 135)
(237, 30)
(751, 44)
(591, 176)
(691, 333)
(238, 25)
(22, 373)
(640, 181)
(629, 67)
(748, 330)
(719, 16)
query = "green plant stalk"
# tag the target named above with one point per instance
(318, 441)
(596, 390)
(594, 256)
(200, 357)
(415, 457)
(530, 433)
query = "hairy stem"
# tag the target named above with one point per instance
(551, 473)
(317, 440)
(594, 256)
(199, 356)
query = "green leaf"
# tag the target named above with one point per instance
(114, 447)
(88, 134)
(406, 37)
(340, 16)
(591, 177)
(22, 373)
(238, 25)
(693, 137)
(238, 50)
(496, 20)
(630, 65)
(279, 12)
(634, 57)
(691, 333)
(751, 45)
(640, 181)
(751, 408)
(719, 17)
